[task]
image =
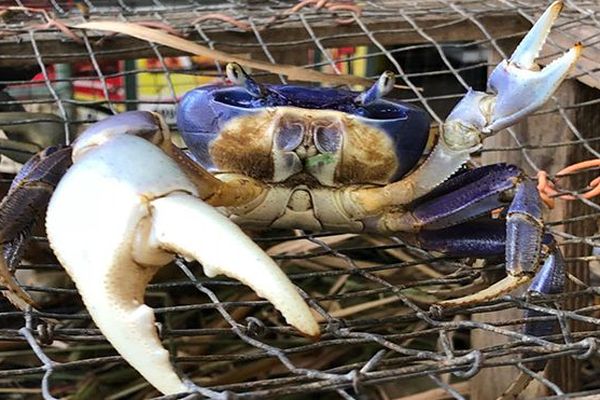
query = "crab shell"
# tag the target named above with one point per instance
(229, 130)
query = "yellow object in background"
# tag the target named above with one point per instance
(159, 91)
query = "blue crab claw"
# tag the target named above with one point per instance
(519, 84)
(121, 212)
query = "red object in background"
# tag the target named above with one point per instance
(341, 53)
(91, 86)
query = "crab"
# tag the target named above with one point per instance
(123, 200)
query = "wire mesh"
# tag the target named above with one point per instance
(371, 294)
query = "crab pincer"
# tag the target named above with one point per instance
(124, 209)
(518, 86)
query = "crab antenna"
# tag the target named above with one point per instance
(383, 86)
(236, 74)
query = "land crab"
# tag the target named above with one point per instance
(288, 157)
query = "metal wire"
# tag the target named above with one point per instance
(372, 294)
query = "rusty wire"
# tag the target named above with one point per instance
(54, 353)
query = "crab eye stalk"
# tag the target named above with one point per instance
(236, 74)
(383, 86)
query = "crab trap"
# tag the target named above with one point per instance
(384, 299)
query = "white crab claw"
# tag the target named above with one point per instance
(530, 46)
(119, 214)
(519, 84)
(223, 248)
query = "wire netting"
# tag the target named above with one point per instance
(371, 294)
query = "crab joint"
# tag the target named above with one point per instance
(120, 213)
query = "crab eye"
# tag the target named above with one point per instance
(327, 138)
(387, 81)
(234, 73)
(290, 136)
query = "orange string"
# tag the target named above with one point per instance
(316, 4)
(50, 22)
(548, 193)
(225, 18)
(347, 7)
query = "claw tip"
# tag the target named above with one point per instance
(313, 337)
(577, 49)
(557, 6)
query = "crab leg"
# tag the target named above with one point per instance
(524, 232)
(488, 238)
(122, 211)
(471, 239)
(467, 196)
(516, 88)
(31, 189)
(441, 223)
(549, 280)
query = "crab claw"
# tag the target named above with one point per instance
(519, 84)
(123, 210)
(516, 87)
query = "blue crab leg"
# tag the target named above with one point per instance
(473, 194)
(470, 239)
(524, 229)
(549, 280)
(485, 240)
(464, 197)
(488, 238)
(30, 192)
(383, 86)
(479, 238)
